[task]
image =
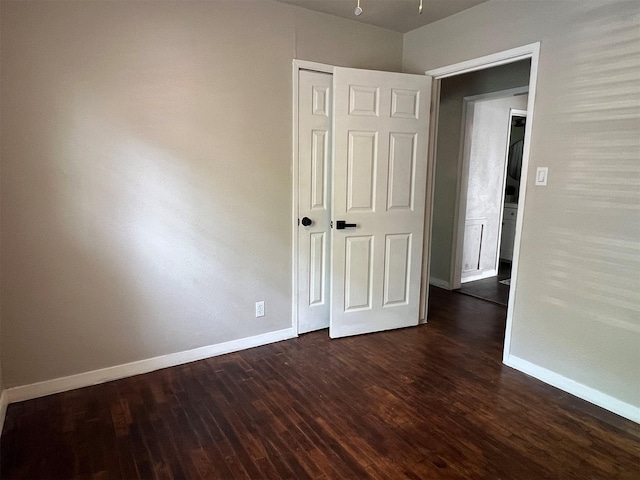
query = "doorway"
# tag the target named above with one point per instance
(529, 53)
(444, 246)
(492, 158)
(358, 232)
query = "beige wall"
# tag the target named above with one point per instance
(577, 301)
(146, 173)
(448, 160)
(1, 377)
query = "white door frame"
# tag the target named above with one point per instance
(531, 51)
(297, 66)
(325, 68)
(460, 212)
(513, 112)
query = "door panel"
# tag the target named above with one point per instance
(358, 273)
(319, 165)
(321, 95)
(363, 100)
(317, 268)
(405, 103)
(402, 170)
(381, 127)
(314, 150)
(396, 269)
(361, 171)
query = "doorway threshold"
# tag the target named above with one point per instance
(491, 289)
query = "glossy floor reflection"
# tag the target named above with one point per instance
(432, 402)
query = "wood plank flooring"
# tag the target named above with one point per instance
(490, 289)
(432, 402)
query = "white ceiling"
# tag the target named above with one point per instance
(398, 15)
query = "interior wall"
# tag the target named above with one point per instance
(576, 311)
(1, 378)
(448, 160)
(487, 169)
(146, 183)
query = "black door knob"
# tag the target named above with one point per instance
(306, 221)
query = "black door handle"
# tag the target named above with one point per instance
(306, 221)
(342, 224)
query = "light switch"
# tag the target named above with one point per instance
(541, 175)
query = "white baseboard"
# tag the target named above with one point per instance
(437, 282)
(57, 385)
(3, 408)
(479, 276)
(589, 394)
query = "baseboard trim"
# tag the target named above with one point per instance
(479, 276)
(589, 394)
(63, 384)
(3, 408)
(437, 282)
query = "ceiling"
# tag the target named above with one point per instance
(398, 15)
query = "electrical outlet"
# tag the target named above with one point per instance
(260, 309)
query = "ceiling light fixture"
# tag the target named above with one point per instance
(358, 10)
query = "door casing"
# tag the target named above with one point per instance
(532, 52)
(324, 68)
(513, 112)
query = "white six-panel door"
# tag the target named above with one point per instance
(314, 144)
(381, 128)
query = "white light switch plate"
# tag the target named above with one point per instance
(541, 175)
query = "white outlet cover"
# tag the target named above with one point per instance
(541, 175)
(259, 309)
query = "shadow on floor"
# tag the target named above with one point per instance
(490, 289)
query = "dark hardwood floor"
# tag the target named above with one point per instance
(424, 403)
(490, 289)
